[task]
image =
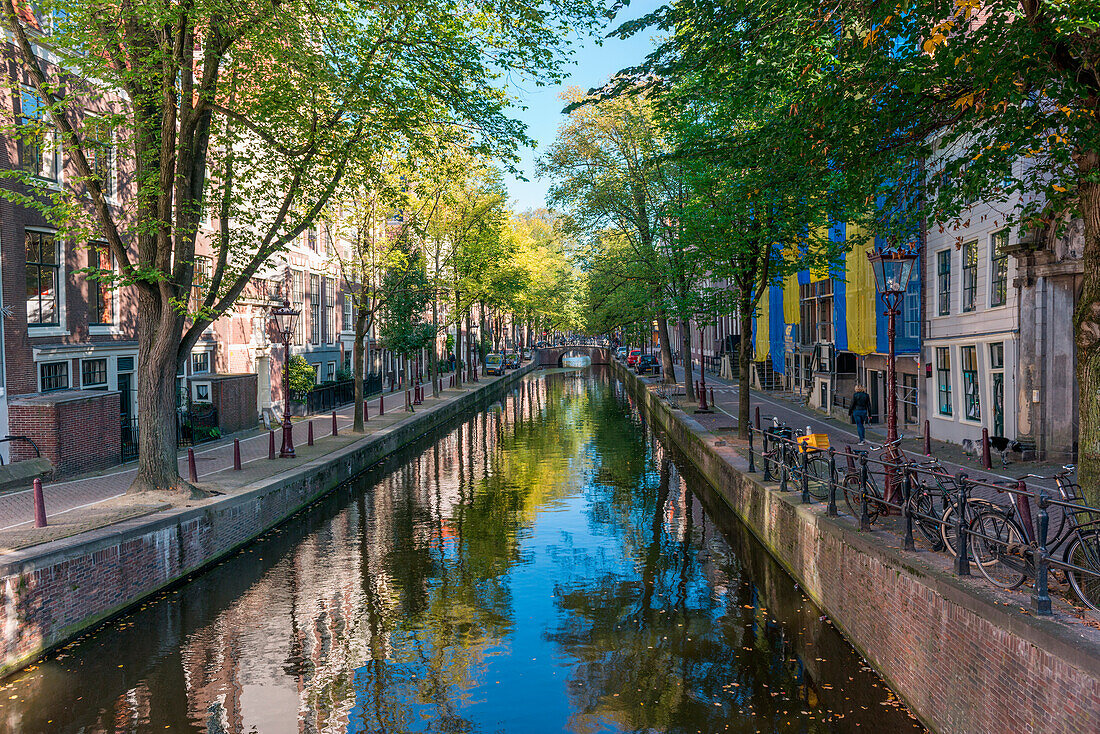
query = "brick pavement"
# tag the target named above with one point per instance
(78, 504)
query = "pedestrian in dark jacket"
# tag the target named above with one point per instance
(860, 410)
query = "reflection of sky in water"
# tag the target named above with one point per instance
(543, 568)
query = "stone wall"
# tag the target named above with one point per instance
(53, 592)
(235, 398)
(961, 658)
(77, 430)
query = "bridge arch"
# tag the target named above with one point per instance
(552, 356)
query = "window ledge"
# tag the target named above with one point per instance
(36, 331)
(104, 329)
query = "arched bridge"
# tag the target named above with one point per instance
(552, 356)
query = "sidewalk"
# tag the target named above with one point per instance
(790, 410)
(99, 499)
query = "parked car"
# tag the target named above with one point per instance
(632, 357)
(621, 352)
(494, 364)
(647, 363)
(511, 361)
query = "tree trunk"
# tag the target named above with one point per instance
(668, 371)
(358, 359)
(1087, 335)
(685, 347)
(743, 359)
(469, 342)
(159, 334)
(458, 339)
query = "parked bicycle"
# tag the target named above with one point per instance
(784, 454)
(1006, 542)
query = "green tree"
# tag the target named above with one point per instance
(403, 329)
(254, 109)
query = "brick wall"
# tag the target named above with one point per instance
(962, 659)
(235, 398)
(77, 430)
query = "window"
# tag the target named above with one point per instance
(311, 238)
(39, 152)
(943, 378)
(200, 363)
(298, 301)
(998, 267)
(314, 309)
(100, 303)
(943, 273)
(908, 398)
(43, 277)
(349, 321)
(347, 361)
(54, 376)
(330, 310)
(997, 356)
(970, 275)
(99, 140)
(330, 372)
(316, 372)
(816, 311)
(972, 409)
(911, 312)
(93, 374)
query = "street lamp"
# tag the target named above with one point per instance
(893, 268)
(285, 318)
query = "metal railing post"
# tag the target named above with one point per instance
(783, 473)
(962, 558)
(864, 516)
(907, 493)
(831, 510)
(1041, 598)
(752, 461)
(805, 474)
(764, 454)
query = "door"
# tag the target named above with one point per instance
(874, 385)
(126, 416)
(998, 403)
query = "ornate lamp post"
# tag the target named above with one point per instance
(893, 268)
(285, 318)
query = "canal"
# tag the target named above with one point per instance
(545, 566)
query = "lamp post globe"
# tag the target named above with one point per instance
(893, 268)
(285, 318)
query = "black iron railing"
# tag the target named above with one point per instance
(324, 398)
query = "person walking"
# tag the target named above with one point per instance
(860, 410)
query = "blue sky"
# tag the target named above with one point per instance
(593, 64)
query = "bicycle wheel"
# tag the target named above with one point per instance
(947, 522)
(773, 460)
(998, 548)
(817, 478)
(924, 509)
(852, 497)
(1084, 552)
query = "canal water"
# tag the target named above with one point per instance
(545, 566)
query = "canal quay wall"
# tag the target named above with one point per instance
(56, 591)
(955, 652)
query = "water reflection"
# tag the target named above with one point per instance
(545, 566)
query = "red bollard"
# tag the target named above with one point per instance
(381, 405)
(366, 411)
(927, 438)
(192, 472)
(236, 454)
(987, 462)
(408, 400)
(335, 430)
(758, 417)
(39, 505)
(712, 396)
(309, 434)
(271, 444)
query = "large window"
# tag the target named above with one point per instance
(349, 321)
(54, 376)
(93, 374)
(943, 281)
(972, 408)
(998, 266)
(200, 363)
(43, 279)
(816, 311)
(911, 314)
(943, 379)
(99, 141)
(100, 303)
(314, 309)
(909, 397)
(39, 152)
(970, 275)
(330, 310)
(298, 301)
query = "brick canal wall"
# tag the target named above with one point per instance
(53, 592)
(961, 658)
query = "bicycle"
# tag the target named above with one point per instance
(852, 484)
(784, 455)
(1005, 541)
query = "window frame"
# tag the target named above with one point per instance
(203, 354)
(42, 377)
(100, 143)
(944, 398)
(943, 282)
(314, 308)
(969, 254)
(972, 389)
(100, 295)
(84, 384)
(48, 144)
(38, 265)
(998, 268)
